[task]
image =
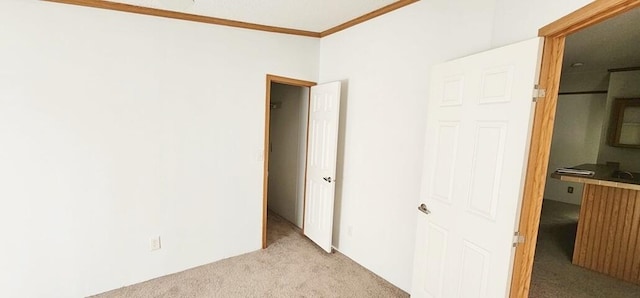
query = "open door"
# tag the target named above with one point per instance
(324, 111)
(476, 148)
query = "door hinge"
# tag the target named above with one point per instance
(517, 239)
(538, 93)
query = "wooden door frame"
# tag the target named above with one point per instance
(554, 36)
(267, 119)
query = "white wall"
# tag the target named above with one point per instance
(386, 64)
(577, 130)
(116, 127)
(622, 84)
(584, 81)
(288, 135)
(576, 140)
(517, 20)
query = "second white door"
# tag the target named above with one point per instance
(324, 111)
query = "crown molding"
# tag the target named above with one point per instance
(102, 4)
(376, 13)
(183, 16)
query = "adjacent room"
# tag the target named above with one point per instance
(601, 67)
(289, 108)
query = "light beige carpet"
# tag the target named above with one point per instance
(291, 266)
(553, 273)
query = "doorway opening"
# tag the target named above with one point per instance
(555, 35)
(286, 126)
(591, 79)
(314, 180)
(287, 151)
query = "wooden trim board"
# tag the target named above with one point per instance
(635, 68)
(103, 4)
(265, 156)
(584, 92)
(537, 166)
(289, 81)
(389, 8)
(554, 34)
(593, 13)
(184, 16)
(267, 120)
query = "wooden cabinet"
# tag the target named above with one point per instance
(625, 123)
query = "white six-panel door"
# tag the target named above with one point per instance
(324, 111)
(477, 137)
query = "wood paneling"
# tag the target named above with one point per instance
(607, 236)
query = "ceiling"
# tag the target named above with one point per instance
(307, 15)
(614, 43)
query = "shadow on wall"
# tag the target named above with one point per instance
(342, 128)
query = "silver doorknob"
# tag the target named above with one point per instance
(423, 209)
(328, 179)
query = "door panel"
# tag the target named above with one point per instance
(321, 163)
(478, 128)
(447, 151)
(486, 168)
(475, 271)
(436, 255)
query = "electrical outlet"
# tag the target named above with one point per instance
(570, 189)
(154, 243)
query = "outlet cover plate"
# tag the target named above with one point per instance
(154, 243)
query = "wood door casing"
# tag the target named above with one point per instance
(554, 34)
(265, 154)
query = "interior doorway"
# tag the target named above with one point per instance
(555, 35)
(286, 126)
(287, 151)
(591, 78)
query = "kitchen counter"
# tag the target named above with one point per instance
(604, 175)
(608, 235)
